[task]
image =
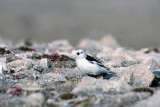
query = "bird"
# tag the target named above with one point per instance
(89, 65)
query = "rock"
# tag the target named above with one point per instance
(80, 102)
(38, 68)
(67, 54)
(91, 45)
(35, 99)
(1, 71)
(11, 57)
(51, 78)
(41, 69)
(150, 102)
(20, 64)
(3, 59)
(24, 55)
(130, 98)
(43, 63)
(29, 86)
(63, 64)
(7, 81)
(109, 41)
(152, 59)
(133, 75)
(3, 66)
(72, 73)
(48, 52)
(7, 101)
(67, 96)
(117, 58)
(30, 74)
(92, 85)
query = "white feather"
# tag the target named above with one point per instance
(89, 67)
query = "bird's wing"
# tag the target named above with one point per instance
(94, 61)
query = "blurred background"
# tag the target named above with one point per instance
(134, 23)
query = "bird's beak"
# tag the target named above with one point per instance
(77, 53)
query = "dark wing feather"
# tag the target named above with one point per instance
(94, 61)
(89, 58)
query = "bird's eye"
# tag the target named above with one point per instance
(81, 52)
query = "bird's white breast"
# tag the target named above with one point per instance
(88, 67)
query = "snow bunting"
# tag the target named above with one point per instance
(88, 64)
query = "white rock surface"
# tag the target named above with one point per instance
(3, 59)
(35, 99)
(153, 101)
(43, 63)
(91, 85)
(138, 75)
(3, 65)
(61, 83)
(1, 71)
(20, 64)
(51, 77)
(24, 55)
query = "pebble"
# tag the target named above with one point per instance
(35, 99)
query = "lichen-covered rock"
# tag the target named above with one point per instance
(51, 78)
(138, 75)
(63, 64)
(30, 74)
(3, 59)
(67, 54)
(20, 65)
(24, 55)
(130, 98)
(3, 66)
(35, 99)
(117, 58)
(33, 74)
(153, 101)
(152, 59)
(72, 73)
(43, 63)
(92, 85)
(1, 71)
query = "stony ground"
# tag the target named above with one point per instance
(45, 74)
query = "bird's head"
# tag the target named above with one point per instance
(80, 54)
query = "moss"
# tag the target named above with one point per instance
(57, 61)
(4, 51)
(156, 50)
(15, 91)
(35, 56)
(143, 90)
(67, 96)
(22, 48)
(52, 58)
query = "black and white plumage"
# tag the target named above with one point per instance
(88, 64)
